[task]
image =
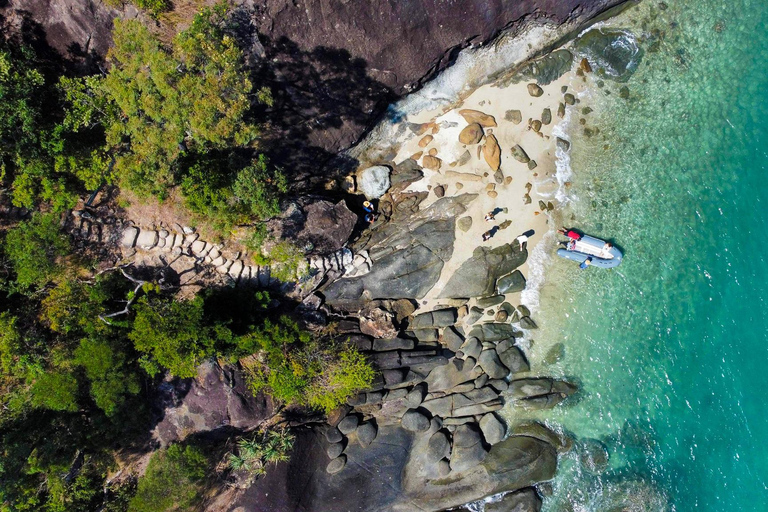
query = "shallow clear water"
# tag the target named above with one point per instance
(671, 348)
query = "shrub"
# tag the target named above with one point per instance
(298, 371)
(172, 335)
(254, 454)
(35, 248)
(56, 391)
(173, 480)
(345, 375)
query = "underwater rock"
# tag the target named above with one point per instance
(614, 52)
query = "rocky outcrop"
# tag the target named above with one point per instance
(216, 399)
(477, 276)
(407, 255)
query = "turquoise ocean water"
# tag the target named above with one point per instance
(671, 348)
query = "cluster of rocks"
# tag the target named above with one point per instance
(188, 243)
(445, 368)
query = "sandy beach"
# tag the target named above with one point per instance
(520, 190)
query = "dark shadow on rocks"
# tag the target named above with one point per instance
(324, 101)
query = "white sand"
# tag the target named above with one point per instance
(495, 101)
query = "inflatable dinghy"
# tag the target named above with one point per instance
(586, 247)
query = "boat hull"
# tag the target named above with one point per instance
(597, 261)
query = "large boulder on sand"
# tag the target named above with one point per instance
(475, 116)
(492, 152)
(477, 276)
(407, 254)
(471, 134)
(374, 181)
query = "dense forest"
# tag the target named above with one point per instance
(83, 344)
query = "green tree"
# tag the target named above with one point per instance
(172, 335)
(106, 369)
(55, 390)
(35, 249)
(172, 481)
(159, 103)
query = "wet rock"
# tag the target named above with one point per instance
(493, 428)
(374, 181)
(525, 500)
(431, 162)
(348, 424)
(487, 302)
(524, 311)
(555, 354)
(534, 90)
(569, 99)
(514, 116)
(511, 283)
(336, 464)
(492, 152)
(561, 110)
(527, 323)
(491, 364)
(366, 433)
(593, 456)
(563, 144)
(414, 421)
(475, 116)
(519, 154)
(501, 316)
(561, 442)
(334, 450)
(614, 53)
(532, 165)
(546, 116)
(464, 223)
(586, 110)
(624, 92)
(471, 134)
(547, 69)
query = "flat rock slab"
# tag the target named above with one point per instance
(477, 276)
